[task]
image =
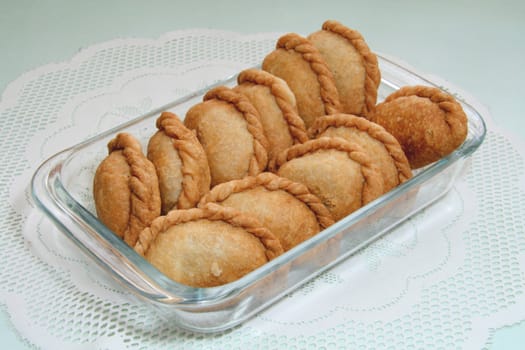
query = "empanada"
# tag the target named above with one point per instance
(126, 189)
(383, 148)
(298, 62)
(208, 246)
(354, 67)
(337, 171)
(228, 127)
(277, 109)
(180, 162)
(285, 207)
(428, 123)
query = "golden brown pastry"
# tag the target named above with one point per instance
(180, 162)
(428, 123)
(286, 208)
(337, 171)
(277, 109)
(228, 127)
(298, 62)
(126, 189)
(208, 246)
(383, 148)
(354, 66)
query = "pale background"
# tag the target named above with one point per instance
(478, 46)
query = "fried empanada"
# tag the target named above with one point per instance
(287, 208)
(126, 189)
(383, 148)
(428, 123)
(298, 62)
(337, 171)
(277, 109)
(208, 246)
(180, 162)
(354, 67)
(228, 127)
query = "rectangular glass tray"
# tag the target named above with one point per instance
(57, 191)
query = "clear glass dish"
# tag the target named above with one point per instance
(62, 185)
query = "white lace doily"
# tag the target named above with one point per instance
(447, 278)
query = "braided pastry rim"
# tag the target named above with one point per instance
(212, 212)
(374, 130)
(373, 74)
(191, 154)
(259, 160)
(328, 90)
(142, 184)
(271, 182)
(446, 102)
(280, 90)
(453, 113)
(371, 176)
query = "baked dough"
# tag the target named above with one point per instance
(286, 208)
(180, 162)
(355, 68)
(428, 123)
(228, 127)
(298, 62)
(383, 148)
(337, 171)
(208, 246)
(277, 109)
(126, 189)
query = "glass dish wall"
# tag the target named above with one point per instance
(62, 189)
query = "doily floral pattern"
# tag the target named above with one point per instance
(446, 278)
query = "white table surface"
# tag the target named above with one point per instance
(478, 46)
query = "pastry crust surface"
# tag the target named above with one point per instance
(383, 148)
(181, 163)
(208, 246)
(277, 109)
(300, 64)
(285, 207)
(428, 123)
(355, 68)
(228, 127)
(126, 189)
(337, 171)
